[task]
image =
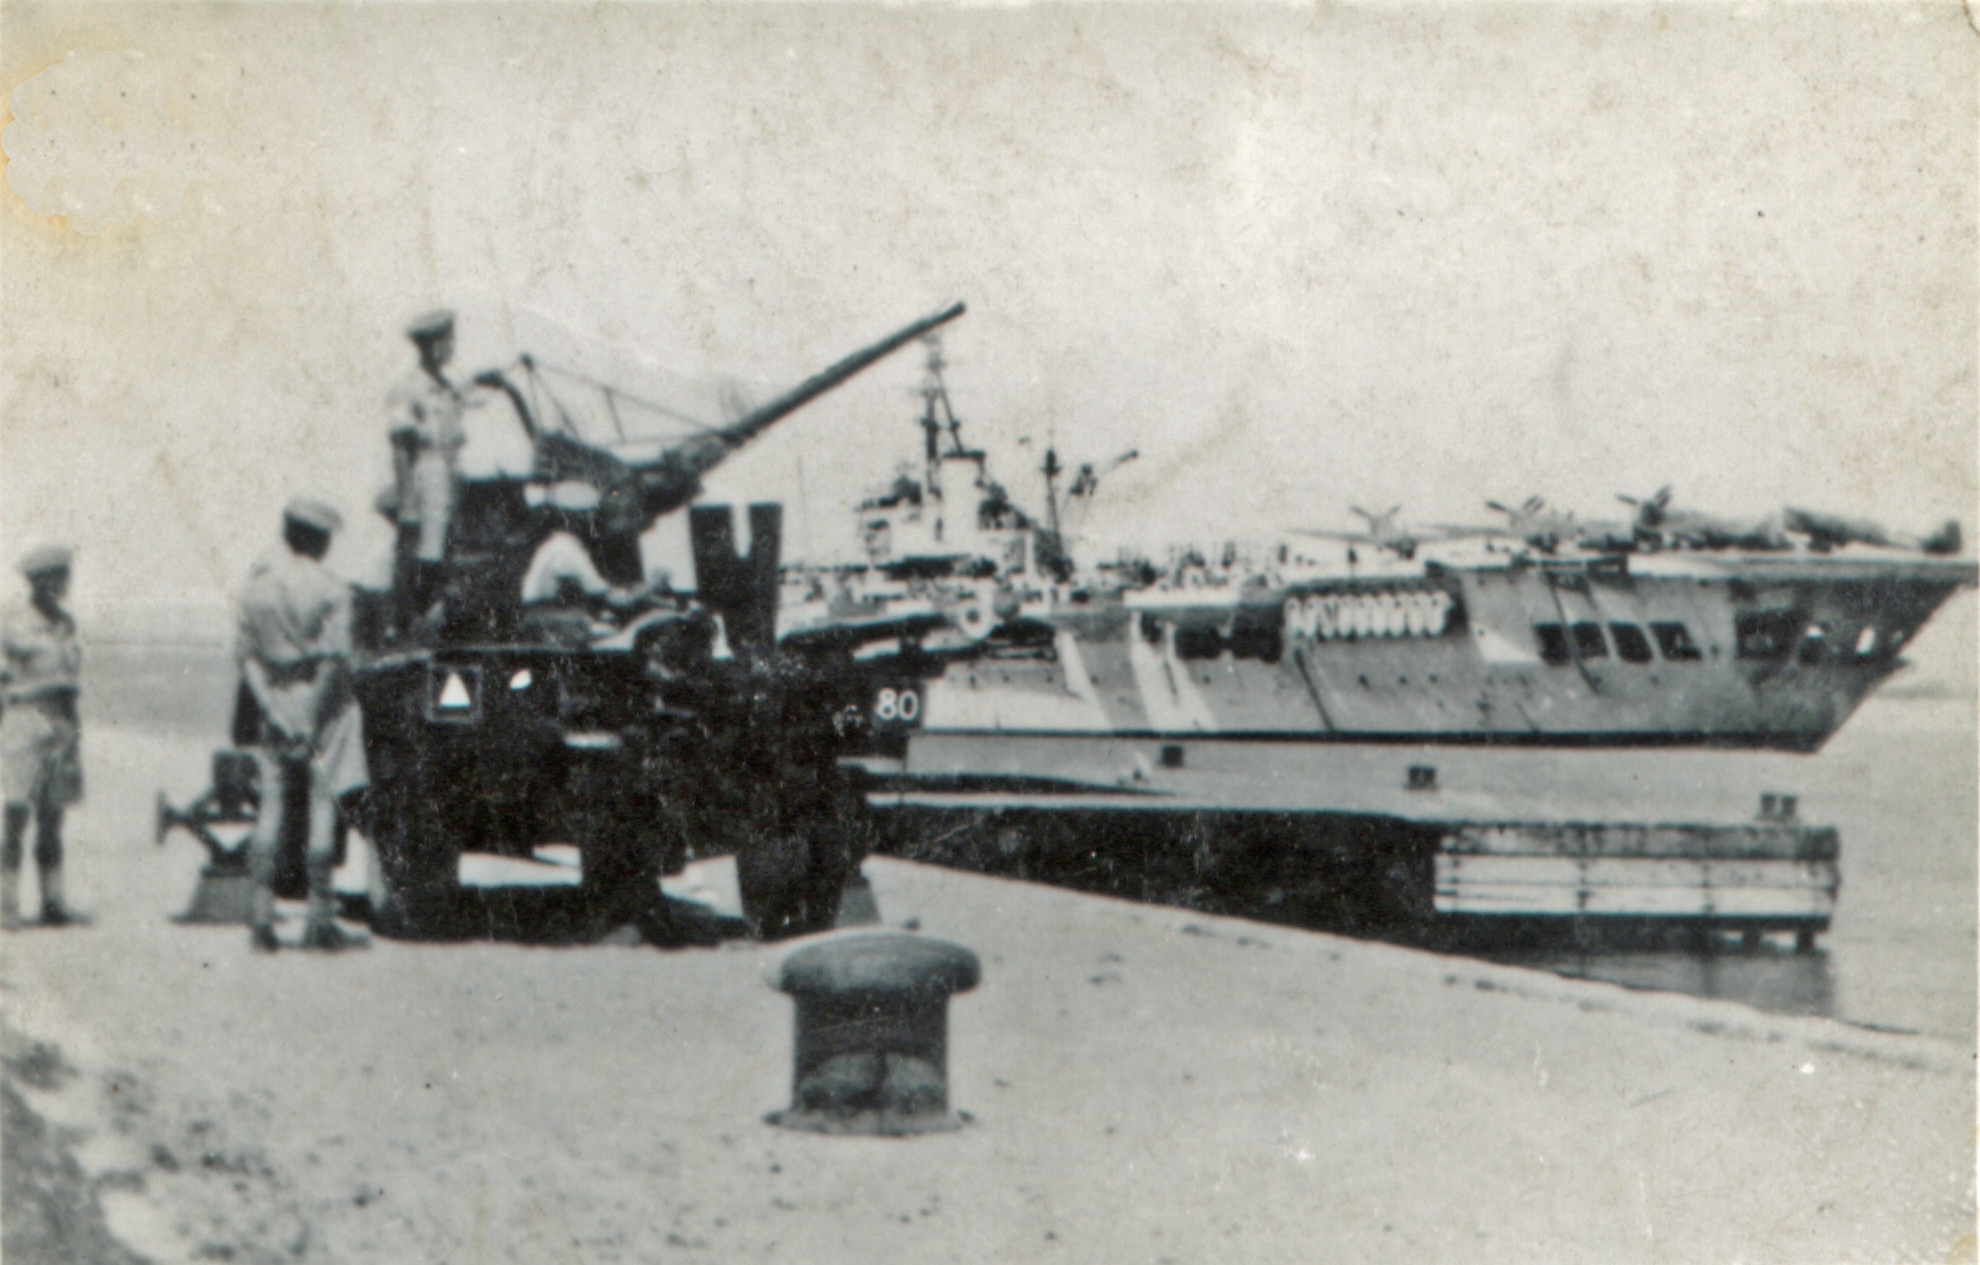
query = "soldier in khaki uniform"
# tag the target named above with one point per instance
(293, 646)
(423, 425)
(40, 751)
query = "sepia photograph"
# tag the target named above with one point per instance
(1098, 632)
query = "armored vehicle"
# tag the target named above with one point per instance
(641, 730)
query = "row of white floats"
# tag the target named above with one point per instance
(1331, 616)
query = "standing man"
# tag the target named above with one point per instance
(40, 747)
(294, 647)
(423, 424)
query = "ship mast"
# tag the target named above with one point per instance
(933, 392)
(1051, 470)
(937, 415)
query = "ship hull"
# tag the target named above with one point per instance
(1726, 652)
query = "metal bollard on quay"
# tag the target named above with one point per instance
(872, 1032)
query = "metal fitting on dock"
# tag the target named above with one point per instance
(225, 887)
(1779, 807)
(872, 1032)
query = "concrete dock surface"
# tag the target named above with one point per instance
(1145, 1084)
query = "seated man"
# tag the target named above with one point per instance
(562, 586)
(561, 569)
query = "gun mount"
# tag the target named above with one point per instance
(496, 527)
(667, 482)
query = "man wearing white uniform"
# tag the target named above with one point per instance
(423, 425)
(40, 756)
(293, 646)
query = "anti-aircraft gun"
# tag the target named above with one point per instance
(668, 731)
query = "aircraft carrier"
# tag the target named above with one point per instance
(1377, 729)
(1673, 630)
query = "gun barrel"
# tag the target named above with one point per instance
(747, 427)
(675, 478)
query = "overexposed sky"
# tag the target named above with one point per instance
(1297, 257)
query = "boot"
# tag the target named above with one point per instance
(331, 938)
(321, 931)
(320, 896)
(55, 912)
(429, 583)
(10, 899)
(261, 920)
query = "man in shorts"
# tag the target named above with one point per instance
(40, 742)
(423, 426)
(294, 645)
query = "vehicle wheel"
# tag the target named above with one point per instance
(792, 882)
(414, 870)
(622, 866)
(770, 871)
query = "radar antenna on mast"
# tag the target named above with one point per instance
(1079, 497)
(937, 414)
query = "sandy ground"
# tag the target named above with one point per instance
(1146, 1084)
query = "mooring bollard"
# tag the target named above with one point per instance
(873, 1032)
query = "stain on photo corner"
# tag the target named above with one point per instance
(93, 141)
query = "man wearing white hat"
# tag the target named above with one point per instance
(40, 743)
(293, 646)
(423, 425)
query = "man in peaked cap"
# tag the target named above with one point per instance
(40, 742)
(423, 425)
(293, 645)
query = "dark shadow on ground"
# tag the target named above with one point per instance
(1370, 878)
(563, 915)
